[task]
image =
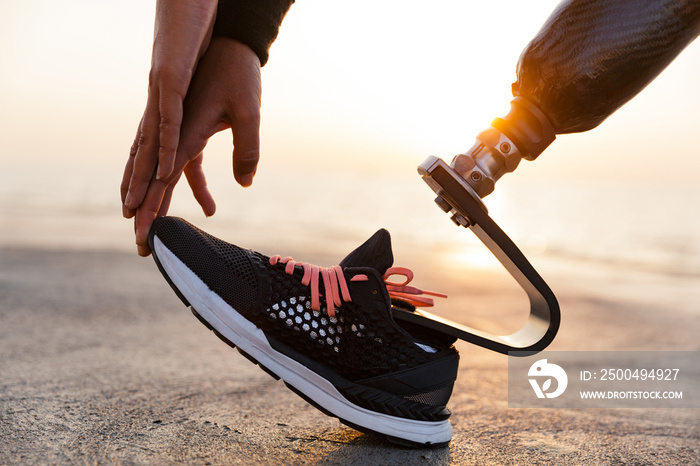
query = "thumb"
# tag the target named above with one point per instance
(246, 148)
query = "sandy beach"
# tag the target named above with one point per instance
(101, 363)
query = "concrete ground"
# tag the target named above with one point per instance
(101, 363)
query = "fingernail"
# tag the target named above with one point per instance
(127, 201)
(247, 180)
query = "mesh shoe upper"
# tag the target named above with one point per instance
(359, 348)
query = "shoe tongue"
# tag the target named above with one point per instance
(375, 253)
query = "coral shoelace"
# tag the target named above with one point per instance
(333, 281)
(410, 294)
(337, 290)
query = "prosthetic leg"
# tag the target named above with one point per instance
(577, 70)
(524, 133)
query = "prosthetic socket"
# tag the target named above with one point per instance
(522, 134)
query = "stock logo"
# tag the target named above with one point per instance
(547, 371)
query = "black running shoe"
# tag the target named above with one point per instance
(328, 333)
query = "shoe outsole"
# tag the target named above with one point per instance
(162, 254)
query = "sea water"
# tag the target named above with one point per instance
(633, 223)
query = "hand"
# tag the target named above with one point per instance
(182, 34)
(225, 92)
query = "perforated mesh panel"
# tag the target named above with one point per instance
(357, 342)
(296, 314)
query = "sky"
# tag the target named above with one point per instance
(352, 83)
(365, 87)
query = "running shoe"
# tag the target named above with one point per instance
(328, 333)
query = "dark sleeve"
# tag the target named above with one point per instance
(252, 22)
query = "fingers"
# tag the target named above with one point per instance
(240, 102)
(126, 178)
(147, 212)
(165, 203)
(144, 161)
(128, 171)
(198, 183)
(158, 195)
(154, 148)
(170, 106)
(157, 201)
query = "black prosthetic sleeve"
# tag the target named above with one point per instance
(592, 56)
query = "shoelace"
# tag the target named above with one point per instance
(337, 290)
(410, 294)
(333, 281)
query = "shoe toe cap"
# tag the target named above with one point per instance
(223, 267)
